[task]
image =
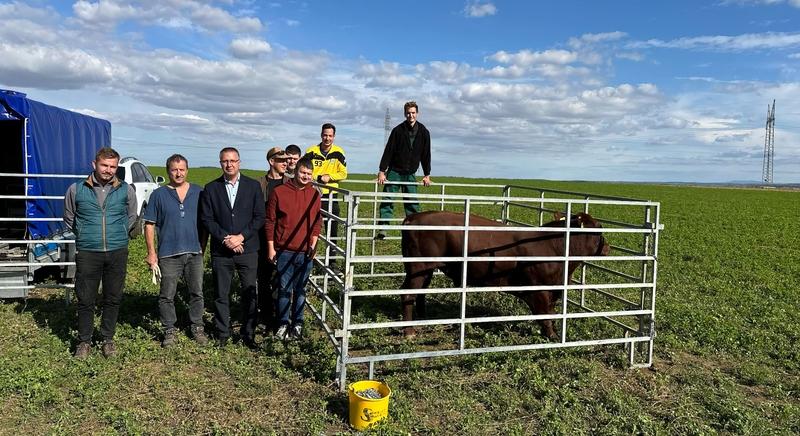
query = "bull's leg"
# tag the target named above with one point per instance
(416, 280)
(541, 302)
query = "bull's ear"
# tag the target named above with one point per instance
(586, 219)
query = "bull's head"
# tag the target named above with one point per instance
(582, 219)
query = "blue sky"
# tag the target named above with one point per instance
(615, 90)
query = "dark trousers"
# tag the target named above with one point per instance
(266, 301)
(246, 265)
(190, 267)
(91, 268)
(334, 224)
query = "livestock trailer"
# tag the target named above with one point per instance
(45, 149)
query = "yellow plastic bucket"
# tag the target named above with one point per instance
(366, 412)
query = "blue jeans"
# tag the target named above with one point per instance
(190, 267)
(293, 270)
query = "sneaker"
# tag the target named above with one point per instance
(170, 338)
(199, 335)
(109, 349)
(83, 350)
(282, 333)
(380, 236)
(296, 332)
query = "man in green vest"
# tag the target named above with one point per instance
(101, 211)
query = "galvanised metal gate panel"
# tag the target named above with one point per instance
(618, 290)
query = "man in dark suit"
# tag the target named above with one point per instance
(233, 212)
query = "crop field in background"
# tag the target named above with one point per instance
(727, 351)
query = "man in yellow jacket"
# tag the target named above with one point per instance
(329, 168)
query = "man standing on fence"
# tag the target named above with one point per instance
(173, 210)
(292, 229)
(329, 168)
(101, 211)
(233, 213)
(409, 145)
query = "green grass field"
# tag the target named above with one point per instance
(727, 357)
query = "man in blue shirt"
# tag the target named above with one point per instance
(173, 211)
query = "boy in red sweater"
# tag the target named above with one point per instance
(292, 228)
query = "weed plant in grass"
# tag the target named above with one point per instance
(726, 352)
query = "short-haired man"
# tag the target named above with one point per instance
(233, 213)
(330, 169)
(275, 176)
(408, 145)
(292, 228)
(293, 153)
(173, 211)
(101, 211)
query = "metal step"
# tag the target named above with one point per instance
(13, 282)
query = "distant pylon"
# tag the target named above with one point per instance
(769, 146)
(387, 126)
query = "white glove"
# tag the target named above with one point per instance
(156, 274)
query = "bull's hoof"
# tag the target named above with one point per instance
(409, 333)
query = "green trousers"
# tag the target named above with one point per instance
(387, 207)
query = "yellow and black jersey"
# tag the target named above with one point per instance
(332, 164)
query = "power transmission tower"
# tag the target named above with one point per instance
(769, 146)
(387, 126)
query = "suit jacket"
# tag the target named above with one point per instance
(246, 216)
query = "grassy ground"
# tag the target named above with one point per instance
(727, 358)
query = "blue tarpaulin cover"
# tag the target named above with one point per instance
(58, 142)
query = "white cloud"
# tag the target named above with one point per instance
(325, 103)
(476, 9)
(750, 41)
(596, 38)
(526, 58)
(55, 68)
(170, 14)
(795, 3)
(292, 23)
(103, 12)
(385, 75)
(248, 48)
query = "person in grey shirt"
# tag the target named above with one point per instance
(101, 211)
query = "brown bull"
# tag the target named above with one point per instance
(450, 243)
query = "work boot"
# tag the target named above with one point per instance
(282, 333)
(108, 348)
(170, 338)
(199, 335)
(83, 350)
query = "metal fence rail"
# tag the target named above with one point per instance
(624, 299)
(31, 254)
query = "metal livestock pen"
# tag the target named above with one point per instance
(610, 300)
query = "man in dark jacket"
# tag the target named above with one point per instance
(277, 159)
(409, 145)
(101, 211)
(233, 213)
